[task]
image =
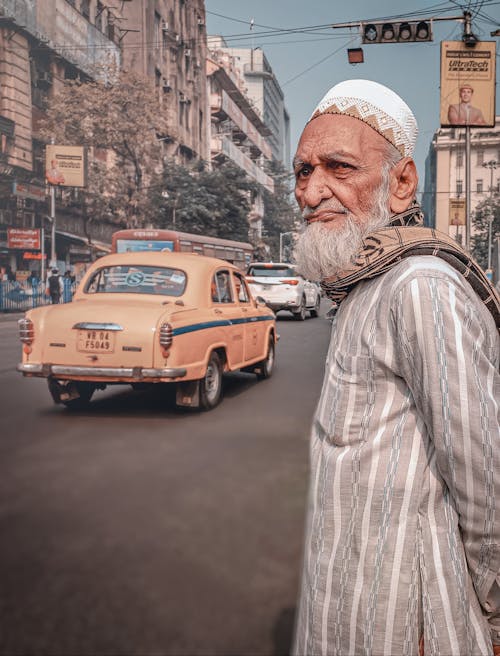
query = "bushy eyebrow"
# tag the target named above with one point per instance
(330, 156)
(297, 162)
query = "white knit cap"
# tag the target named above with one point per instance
(377, 106)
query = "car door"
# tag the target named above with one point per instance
(254, 329)
(226, 309)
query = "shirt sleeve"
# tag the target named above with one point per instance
(449, 349)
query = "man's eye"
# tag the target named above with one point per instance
(303, 172)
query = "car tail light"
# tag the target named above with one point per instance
(166, 335)
(290, 282)
(26, 331)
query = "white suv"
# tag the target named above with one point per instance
(282, 288)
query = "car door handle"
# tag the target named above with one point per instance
(218, 311)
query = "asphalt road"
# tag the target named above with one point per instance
(134, 528)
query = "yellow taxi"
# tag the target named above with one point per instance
(140, 318)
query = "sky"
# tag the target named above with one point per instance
(308, 62)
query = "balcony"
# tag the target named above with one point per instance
(224, 148)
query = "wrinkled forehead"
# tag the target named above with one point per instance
(340, 133)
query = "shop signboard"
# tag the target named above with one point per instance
(28, 255)
(27, 190)
(23, 238)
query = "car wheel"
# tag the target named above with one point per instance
(211, 383)
(300, 314)
(265, 368)
(315, 310)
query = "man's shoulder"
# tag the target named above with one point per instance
(422, 266)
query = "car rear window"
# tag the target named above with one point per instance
(137, 279)
(271, 271)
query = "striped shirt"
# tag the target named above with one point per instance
(402, 537)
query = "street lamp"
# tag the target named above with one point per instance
(492, 164)
(282, 234)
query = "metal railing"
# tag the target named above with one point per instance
(22, 296)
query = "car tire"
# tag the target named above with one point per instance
(211, 383)
(265, 368)
(315, 310)
(300, 314)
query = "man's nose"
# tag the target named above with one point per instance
(317, 189)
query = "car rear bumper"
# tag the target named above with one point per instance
(283, 305)
(103, 373)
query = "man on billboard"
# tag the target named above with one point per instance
(464, 113)
(53, 175)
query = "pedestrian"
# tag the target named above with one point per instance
(33, 278)
(55, 286)
(402, 547)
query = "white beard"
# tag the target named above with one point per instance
(322, 251)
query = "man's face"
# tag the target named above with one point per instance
(338, 167)
(466, 94)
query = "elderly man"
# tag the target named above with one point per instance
(402, 547)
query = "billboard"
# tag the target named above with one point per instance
(467, 84)
(23, 238)
(65, 166)
(457, 212)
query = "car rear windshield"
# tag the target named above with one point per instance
(271, 271)
(137, 279)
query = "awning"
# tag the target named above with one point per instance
(96, 245)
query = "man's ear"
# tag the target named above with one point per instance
(403, 186)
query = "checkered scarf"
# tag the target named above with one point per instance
(405, 237)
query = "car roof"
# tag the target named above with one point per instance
(193, 261)
(272, 265)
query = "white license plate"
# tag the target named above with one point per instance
(96, 341)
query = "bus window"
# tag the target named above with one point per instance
(186, 246)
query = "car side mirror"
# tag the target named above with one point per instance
(260, 301)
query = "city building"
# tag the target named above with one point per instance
(238, 133)
(264, 93)
(165, 40)
(42, 45)
(444, 182)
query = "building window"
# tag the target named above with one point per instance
(460, 188)
(85, 9)
(157, 30)
(460, 158)
(99, 11)
(111, 27)
(480, 157)
(479, 186)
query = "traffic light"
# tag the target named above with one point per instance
(396, 32)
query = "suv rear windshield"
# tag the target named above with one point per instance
(270, 272)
